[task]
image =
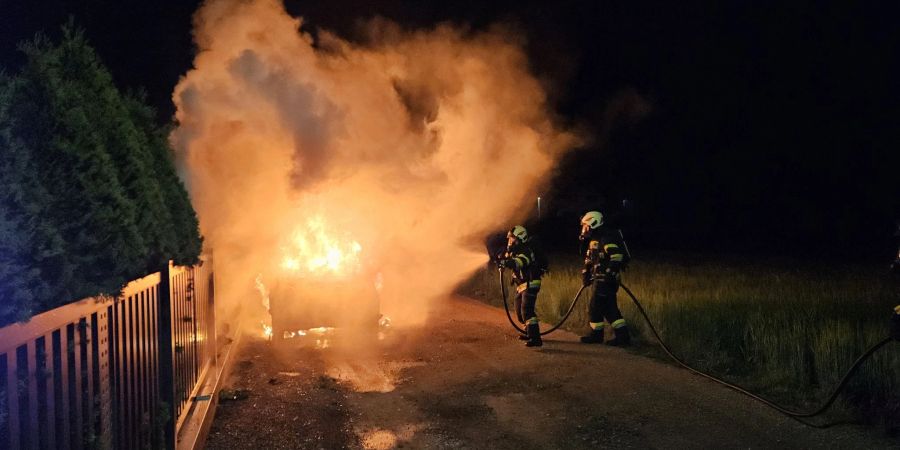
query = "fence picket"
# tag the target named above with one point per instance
(12, 398)
(31, 375)
(76, 389)
(86, 327)
(49, 420)
(102, 379)
(62, 353)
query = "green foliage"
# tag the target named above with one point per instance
(787, 330)
(90, 196)
(32, 263)
(181, 220)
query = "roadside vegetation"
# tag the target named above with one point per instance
(89, 195)
(784, 329)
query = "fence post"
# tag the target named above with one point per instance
(166, 357)
(211, 305)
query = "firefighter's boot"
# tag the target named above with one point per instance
(594, 337)
(524, 336)
(622, 339)
(534, 335)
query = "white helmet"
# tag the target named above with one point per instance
(593, 219)
(518, 232)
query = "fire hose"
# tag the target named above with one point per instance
(786, 411)
(520, 329)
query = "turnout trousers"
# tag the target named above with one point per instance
(604, 303)
(525, 305)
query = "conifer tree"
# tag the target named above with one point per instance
(89, 195)
(90, 207)
(33, 267)
(184, 225)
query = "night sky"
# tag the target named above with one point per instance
(768, 127)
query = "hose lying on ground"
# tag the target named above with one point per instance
(794, 414)
(788, 412)
(517, 327)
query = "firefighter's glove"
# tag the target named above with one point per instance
(895, 324)
(585, 278)
(508, 263)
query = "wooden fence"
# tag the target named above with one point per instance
(110, 372)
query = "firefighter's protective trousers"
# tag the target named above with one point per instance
(604, 303)
(526, 299)
(528, 282)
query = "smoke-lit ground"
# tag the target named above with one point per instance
(382, 165)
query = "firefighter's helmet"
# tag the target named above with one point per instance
(519, 232)
(593, 219)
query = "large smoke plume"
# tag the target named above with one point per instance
(416, 144)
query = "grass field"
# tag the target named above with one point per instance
(785, 329)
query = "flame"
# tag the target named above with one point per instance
(264, 296)
(313, 250)
(263, 292)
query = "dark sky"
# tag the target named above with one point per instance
(775, 126)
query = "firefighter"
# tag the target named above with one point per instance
(604, 259)
(520, 257)
(895, 323)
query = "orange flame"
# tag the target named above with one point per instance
(312, 250)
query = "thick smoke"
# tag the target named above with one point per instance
(416, 144)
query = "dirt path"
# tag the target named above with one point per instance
(467, 382)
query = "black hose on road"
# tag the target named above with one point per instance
(788, 412)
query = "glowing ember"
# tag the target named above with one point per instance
(313, 250)
(267, 330)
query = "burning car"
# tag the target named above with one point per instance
(321, 283)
